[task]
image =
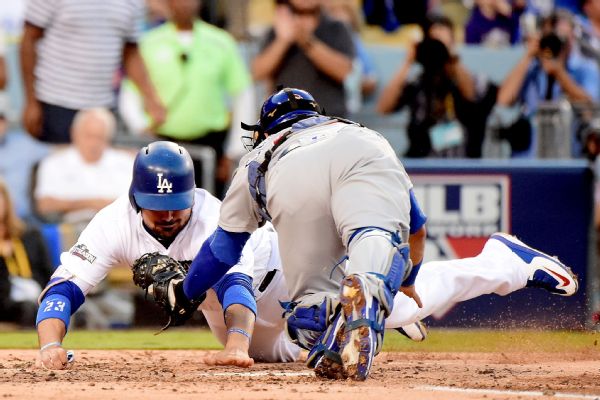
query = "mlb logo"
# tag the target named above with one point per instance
(462, 212)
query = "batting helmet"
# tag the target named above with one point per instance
(163, 178)
(281, 110)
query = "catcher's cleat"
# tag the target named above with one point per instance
(363, 335)
(416, 331)
(544, 271)
(324, 356)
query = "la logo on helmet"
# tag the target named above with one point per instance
(163, 184)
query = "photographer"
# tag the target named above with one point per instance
(448, 110)
(551, 69)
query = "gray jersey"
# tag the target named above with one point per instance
(325, 180)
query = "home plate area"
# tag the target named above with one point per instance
(169, 374)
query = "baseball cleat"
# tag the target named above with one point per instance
(416, 331)
(544, 271)
(324, 357)
(364, 330)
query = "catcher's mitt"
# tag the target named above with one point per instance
(162, 277)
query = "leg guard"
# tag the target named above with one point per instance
(379, 254)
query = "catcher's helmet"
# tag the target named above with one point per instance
(281, 110)
(163, 178)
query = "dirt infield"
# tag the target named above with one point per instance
(178, 375)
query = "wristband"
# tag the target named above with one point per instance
(55, 306)
(410, 279)
(240, 331)
(48, 345)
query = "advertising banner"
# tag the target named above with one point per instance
(547, 203)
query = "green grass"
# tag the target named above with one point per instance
(119, 339)
(439, 340)
(464, 340)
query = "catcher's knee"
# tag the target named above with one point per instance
(392, 269)
(305, 322)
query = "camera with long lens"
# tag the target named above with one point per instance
(432, 55)
(551, 45)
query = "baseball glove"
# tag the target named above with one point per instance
(162, 277)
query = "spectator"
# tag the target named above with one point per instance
(201, 77)
(448, 109)
(20, 153)
(588, 29)
(70, 53)
(77, 181)
(551, 69)
(391, 14)
(363, 79)
(309, 50)
(24, 265)
(494, 23)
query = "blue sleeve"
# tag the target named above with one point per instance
(236, 288)
(221, 251)
(410, 279)
(60, 301)
(417, 216)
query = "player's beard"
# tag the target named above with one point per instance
(170, 229)
(167, 229)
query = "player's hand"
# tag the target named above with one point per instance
(32, 118)
(53, 358)
(412, 293)
(234, 357)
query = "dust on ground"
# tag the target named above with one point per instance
(169, 374)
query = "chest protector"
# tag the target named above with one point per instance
(257, 171)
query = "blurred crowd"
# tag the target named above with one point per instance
(93, 73)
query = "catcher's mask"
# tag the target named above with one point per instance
(279, 111)
(163, 178)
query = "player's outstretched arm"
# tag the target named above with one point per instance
(58, 302)
(235, 294)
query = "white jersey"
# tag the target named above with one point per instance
(116, 236)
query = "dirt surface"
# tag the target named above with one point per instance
(178, 375)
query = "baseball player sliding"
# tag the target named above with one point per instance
(164, 213)
(345, 214)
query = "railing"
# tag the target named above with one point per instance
(560, 129)
(555, 130)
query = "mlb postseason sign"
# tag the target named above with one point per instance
(548, 204)
(462, 210)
